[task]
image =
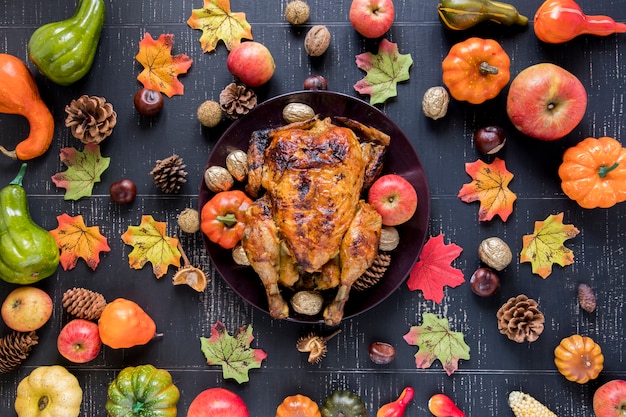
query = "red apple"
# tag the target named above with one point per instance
(217, 402)
(252, 63)
(79, 341)
(26, 308)
(609, 400)
(546, 101)
(372, 18)
(394, 198)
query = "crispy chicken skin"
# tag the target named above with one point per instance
(311, 175)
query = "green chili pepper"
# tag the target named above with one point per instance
(28, 253)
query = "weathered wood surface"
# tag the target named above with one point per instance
(497, 365)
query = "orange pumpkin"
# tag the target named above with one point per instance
(578, 358)
(476, 70)
(593, 173)
(298, 406)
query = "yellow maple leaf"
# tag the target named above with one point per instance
(545, 246)
(161, 69)
(151, 244)
(217, 22)
(76, 240)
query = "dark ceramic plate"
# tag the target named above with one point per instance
(401, 159)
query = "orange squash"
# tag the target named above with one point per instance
(593, 173)
(19, 95)
(476, 70)
(578, 358)
(124, 324)
(298, 406)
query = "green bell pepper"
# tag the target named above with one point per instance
(28, 253)
(64, 51)
(142, 391)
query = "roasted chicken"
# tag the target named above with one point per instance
(310, 227)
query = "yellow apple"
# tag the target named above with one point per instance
(26, 308)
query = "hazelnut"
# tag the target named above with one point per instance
(218, 179)
(297, 112)
(317, 40)
(297, 12)
(494, 252)
(210, 113)
(435, 102)
(189, 221)
(489, 139)
(239, 256)
(307, 302)
(389, 239)
(237, 164)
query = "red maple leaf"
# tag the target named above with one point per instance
(433, 270)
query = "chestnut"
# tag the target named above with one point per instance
(148, 102)
(315, 82)
(123, 191)
(484, 282)
(381, 353)
(489, 139)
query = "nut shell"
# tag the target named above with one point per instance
(297, 112)
(495, 253)
(307, 302)
(435, 102)
(218, 179)
(237, 164)
(317, 40)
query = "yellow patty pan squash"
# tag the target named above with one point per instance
(49, 391)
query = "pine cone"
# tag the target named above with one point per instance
(91, 119)
(237, 100)
(83, 303)
(520, 319)
(169, 174)
(14, 349)
(374, 273)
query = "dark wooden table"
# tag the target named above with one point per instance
(497, 366)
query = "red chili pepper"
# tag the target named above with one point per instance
(558, 21)
(223, 217)
(396, 408)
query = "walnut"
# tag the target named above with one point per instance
(494, 252)
(218, 179)
(307, 302)
(237, 164)
(297, 112)
(317, 40)
(389, 239)
(435, 102)
(297, 12)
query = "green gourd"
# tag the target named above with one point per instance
(343, 403)
(64, 51)
(28, 253)
(464, 14)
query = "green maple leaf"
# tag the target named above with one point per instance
(384, 71)
(232, 352)
(436, 341)
(83, 171)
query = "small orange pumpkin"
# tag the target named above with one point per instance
(476, 70)
(578, 358)
(298, 406)
(593, 172)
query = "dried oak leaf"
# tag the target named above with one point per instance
(217, 22)
(436, 341)
(433, 270)
(233, 353)
(83, 171)
(545, 246)
(76, 240)
(151, 244)
(384, 71)
(160, 68)
(490, 186)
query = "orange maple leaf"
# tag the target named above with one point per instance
(76, 240)
(545, 246)
(217, 22)
(161, 69)
(151, 244)
(490, 186)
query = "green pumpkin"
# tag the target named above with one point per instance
(142, 391)
(343, 404)
(64, 51)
